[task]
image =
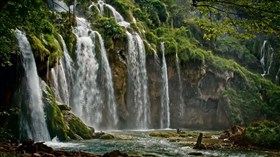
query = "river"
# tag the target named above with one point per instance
(140, 143)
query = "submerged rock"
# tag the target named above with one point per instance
(102, 135)
(196, 153)
(115, 153)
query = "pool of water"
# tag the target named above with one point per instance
(140, 143)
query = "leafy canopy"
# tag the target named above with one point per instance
(242, 18)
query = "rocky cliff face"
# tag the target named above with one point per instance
(205, 104)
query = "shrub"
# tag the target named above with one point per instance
(264, 134)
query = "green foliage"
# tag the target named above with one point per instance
(64, 26)
(123, 7)
(10, 124)
(156, 10)
(8, 47)
(244, 105)
(177, 40)
(110, 30)
(30, 16)
(231, 47)
(264, 134)
(252, 17)
(142, 16)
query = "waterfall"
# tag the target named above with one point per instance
(109, 95)
(267, 54)
(165, 112)
(59, 5)
(137, 98)
(118, 17)
(60, 83)
(59, 77)
(138, 102)
(68, 68)
(32, 120)
(93, 98)
(86, 96)
(182, 102)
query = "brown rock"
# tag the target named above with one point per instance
(115, 153)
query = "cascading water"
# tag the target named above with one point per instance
(67, 66)
(182, 102)
(137, 98)
(267, 54)
(32, 120)
(137, 93)
(108, 93)
(165, 112)
(60, 83)
(95, 106)
(86, 96)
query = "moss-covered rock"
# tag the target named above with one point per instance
(54, 118)
(76, 129)
(46, 51)
(103, 135)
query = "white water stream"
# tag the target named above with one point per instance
(165, 108)
(32, 120)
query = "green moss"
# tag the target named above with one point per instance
(164, 134)
(53, 46)
(110, 30)
(54, 117)
(38, 48)
(76, 129)
(107, 137)
(70, 41)
(46, 49)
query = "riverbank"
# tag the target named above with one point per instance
(213, 140)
